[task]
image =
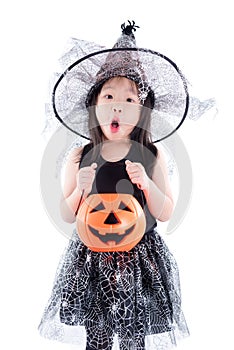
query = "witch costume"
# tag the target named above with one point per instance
(127, 300)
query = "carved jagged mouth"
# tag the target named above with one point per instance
(117, 238)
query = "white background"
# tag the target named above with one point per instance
(198, 35)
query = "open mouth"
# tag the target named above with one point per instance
(114, 126)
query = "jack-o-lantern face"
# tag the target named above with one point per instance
(110, 222)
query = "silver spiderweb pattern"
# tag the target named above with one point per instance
(133, 297)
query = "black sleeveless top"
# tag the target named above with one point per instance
(112, 177)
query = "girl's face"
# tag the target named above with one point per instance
(118, 108)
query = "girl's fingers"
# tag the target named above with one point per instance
(127, 162)
(135, 172)
(135, 179)
(86, 177)
(94, 166)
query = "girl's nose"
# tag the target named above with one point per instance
(117, 109)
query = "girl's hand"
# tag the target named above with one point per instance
(85, 178)
(137, 174)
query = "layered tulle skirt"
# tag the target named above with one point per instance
(119, 300)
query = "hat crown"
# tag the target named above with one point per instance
(127, 39)
(123, 61)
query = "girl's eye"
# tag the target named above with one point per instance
(130, 100)
(108, 97)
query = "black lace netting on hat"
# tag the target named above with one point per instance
(86, 64)
(151, 71)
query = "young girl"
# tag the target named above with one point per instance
(128, 298)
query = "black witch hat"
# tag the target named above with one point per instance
(93, 65)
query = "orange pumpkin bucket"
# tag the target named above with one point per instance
(110, 222)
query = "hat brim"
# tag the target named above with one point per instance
(163, 77)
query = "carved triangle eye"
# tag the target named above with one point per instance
(123, 206)
(99, 207)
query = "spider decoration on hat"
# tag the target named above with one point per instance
(129, 28)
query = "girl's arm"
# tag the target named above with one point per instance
(158, 193)
(77, 185)
(157, 190)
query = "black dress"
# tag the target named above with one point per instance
(117, 300)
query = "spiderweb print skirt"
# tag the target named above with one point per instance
(119, 300)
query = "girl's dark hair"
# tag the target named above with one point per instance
(140, 133)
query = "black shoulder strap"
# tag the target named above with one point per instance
(83, 159)
(145, 155)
